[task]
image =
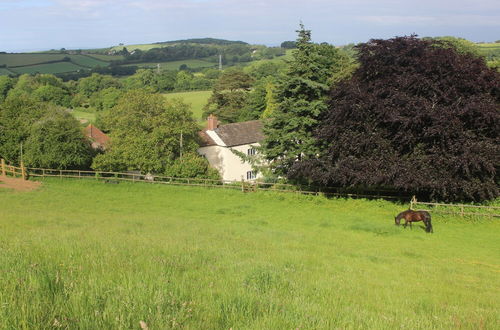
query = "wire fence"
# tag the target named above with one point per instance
(457, 209)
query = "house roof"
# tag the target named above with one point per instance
(206, 140)
(98, 138)
(237, 133)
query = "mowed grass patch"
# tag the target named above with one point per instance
(197, 100)
(85, 254)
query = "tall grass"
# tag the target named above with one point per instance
(84, 254)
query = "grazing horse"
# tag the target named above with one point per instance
(415, 216)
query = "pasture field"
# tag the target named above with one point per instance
(5, 72)
(174, 65)
(87, 61)
(106, 58)
(197, 100)
(59, 67)
(28, 59)
(91, 255)
(84, 115)
(143, 47)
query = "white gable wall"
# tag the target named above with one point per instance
(229, 165)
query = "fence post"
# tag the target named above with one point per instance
(23, 171)
(3, 167)
(413, 202)
(462, 210)
(242, 185)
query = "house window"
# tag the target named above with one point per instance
(251, 175)
(251, 152)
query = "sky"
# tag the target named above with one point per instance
(29, 25)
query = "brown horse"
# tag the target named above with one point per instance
(415, 216)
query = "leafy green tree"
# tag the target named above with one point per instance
(183, 81)
(95, 83)
(271, 103)
(192, 165)
(52, 94)
(200, 83)
(6, 83)
(302, 99)
(147, 133)
(142, 79)
(211, 73)
(165, 80)
(288, 44)
(17, 115)
(261, 70)
(106, 98)
(229, 96)
(43, 87)
(461, 45)
(56, 140)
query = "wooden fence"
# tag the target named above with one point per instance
(244, 186)
(457, 209)
(12, 170)
(247, 186)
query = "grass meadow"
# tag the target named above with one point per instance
(88, 61)
(52, 68)
(174, 65)
(197, 100)
(90, 117)
(5, 72)
(28, 58)
(91, 255)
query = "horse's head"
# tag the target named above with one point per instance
(397, 221)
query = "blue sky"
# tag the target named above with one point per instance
(45, 24)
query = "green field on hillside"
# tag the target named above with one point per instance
(174, 65)
(87, 61)
(196, 99)
(91, 255)
(106, 58)
(59, 67)
(5, 72)
(28, 59)
(143, 47)
(83, 116)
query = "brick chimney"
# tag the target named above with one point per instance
(212, 123)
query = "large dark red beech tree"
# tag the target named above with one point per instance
(416, 116)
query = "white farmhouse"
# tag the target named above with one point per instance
(219, 140)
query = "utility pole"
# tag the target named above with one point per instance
(21, 154)
(180, 144)
(220, 62)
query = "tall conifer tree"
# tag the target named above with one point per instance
(302, 99)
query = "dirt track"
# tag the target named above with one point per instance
(18, 184)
